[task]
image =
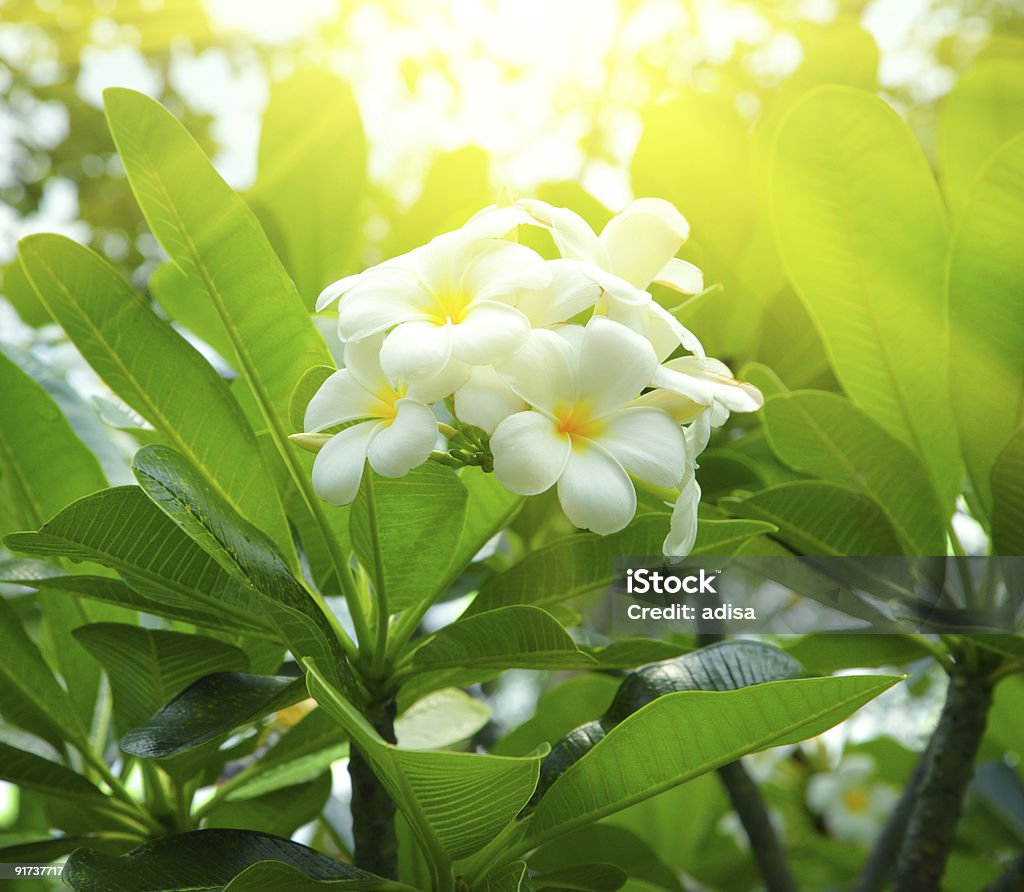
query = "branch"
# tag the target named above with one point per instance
(948, 769)
(1011, 880)
(764, 842)
(373, 810)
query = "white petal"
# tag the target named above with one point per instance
(385, 298)
(362, 359)
(529, 454)
(497, 221)
(341, 398)
(734, 395)
(489, 333)
(438, 263)
(501, 269)
(663, 330)
(441, 385)
(697, 435)
(416, 351)
(642, 239)
(335, 290)
(595, 491)
(615, 365)
(685, 385)
(681, 408)
(683, 529)
(572, 234)
(571, 291)
(681, 276)
(339, 465)
(405, 443)
(615, 287)
(646, 442)
(485, 400)
(542, 371)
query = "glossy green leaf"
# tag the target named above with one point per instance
(122, 529)
(597, 877)
(512, 877)
(215, 239)
(824, 652)
(31, 772)
(147, 667)
(725, 537)
(156, 372)
(520, 636)
(441, 719)
(863, 237)
(571, 566)
(210, 708)
(983, 110)
(186, 303)
(455, 802)
(281, 877)
(818, 518)
(200, 861)
(986, 277)
(280, 812)
(680, 736)
(241, 549)
(828, 436)
(1008, 497)
(416, 524)
(312, 176)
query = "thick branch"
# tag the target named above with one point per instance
(947, 772)
(373, 810)
(764, 842)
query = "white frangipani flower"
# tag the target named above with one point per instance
(399, 432)
(852, 803)
(683, 526)
(582, 433)
(690, 384)
(447, 304)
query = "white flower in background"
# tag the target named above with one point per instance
(582, 433)
(690, 384)
(398, 433)
(852, 803)
(448, 303)
(683, 526)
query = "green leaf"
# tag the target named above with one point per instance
(147, 667)
(215, 239)
(43, 464)
(200, 861)
(983, 110)
(18, 290)
(680, 736)
(520, 636)
(1008, 497)
(455, 802)
(280, 812)
(489, 509)
(30, 696)
(512, 877)
(187, 304)
(283, 878)
(595, 877)
(986, 275)
(818, 518)
(241, 549)
(312, 176)
(31, 772)
(863, 237)
(122, 529)
(416, 525)
(725, 537)
(307, 385)
(571, 566)
(156, 372)
(826, 435)
(441, 719)
(210, 708)
(823, 652)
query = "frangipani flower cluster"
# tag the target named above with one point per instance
(553, 373)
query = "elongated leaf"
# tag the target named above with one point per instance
(241, 549)
(983, 110)
(441, 719)
(122, 529)
(312, 175)
(572, 566)
(30, 696)
(596, 877)
(200, 861)
(1008, 497)
(986, 278)
(156, 372)
(823, 652)
(863, 237)
(520, 636)
(186, 303)
(416, 525)
(512, 877)
(284, 878)
(455, 802)
(31, 772)
(281, 812)
(147, 667)
(814, 517)
(209, 708)
(215, 239)
(489, 509)
(725, 537)
(680, 736)
(827, 435)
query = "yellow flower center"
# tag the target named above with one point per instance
(575, 421)
(855, 801)
(449, 305)
(389, 396)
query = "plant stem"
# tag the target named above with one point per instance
(878, 869)
(753, 814)
(948, 768)
(1011, 880)
(373, 810)
(378, 658)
